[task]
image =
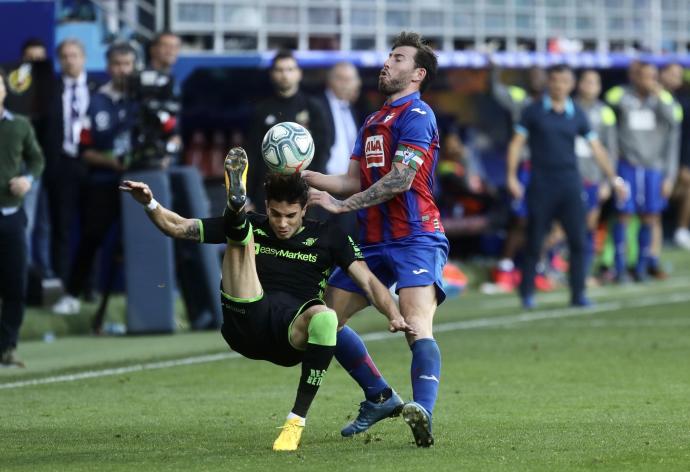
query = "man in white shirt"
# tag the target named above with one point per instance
(65, 172)
(343, 85)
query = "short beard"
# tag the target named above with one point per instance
(392, 87)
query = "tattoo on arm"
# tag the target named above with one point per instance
(396, 181)
(190, 230)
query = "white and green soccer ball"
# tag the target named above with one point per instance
(287, 148)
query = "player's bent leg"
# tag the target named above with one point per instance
(418, 306)
(313, 330)
(381, 401)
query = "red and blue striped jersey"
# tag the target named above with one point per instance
(402, 131)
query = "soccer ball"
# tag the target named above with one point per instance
(287, 148)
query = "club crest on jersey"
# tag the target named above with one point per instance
(373, 151)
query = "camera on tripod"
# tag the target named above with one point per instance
(156, 121)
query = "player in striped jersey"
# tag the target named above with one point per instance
(389, 184)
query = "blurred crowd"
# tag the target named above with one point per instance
(93, 131)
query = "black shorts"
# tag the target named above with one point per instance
(259, 329)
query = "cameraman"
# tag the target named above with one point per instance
(106, 147)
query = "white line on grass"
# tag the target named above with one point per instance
(376, 336)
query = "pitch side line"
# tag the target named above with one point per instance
(376, 336)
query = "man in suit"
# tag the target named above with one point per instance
(343, 85)
(65, 172)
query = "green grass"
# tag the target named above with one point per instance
(605, 389)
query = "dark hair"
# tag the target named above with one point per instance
(557, 69)
(120, 49)
(33, 43)
(286, 188)
(157, 38)
(424, 58)
(280, 55)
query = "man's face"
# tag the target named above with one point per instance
(589, 86)
(71, 60)
(285, 218)
(672, 77)
(399, 71)
(345, 83)
(121, 66)
(3, 92)
(34, 54)
(166, 50)
(647, 78)
(286, 76)
(560, 84)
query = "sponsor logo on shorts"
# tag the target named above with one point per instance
(419, 271)
(234, 308)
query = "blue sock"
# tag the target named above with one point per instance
(425, 372)
(644, 240)
(589, 252)
(351, 353)
(619, 248)
(653, 262)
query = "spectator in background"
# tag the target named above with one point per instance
(65, 172)
(288, 103)
(33, 50)
(649, 138)
(21, 162)
(514, 100)
(343, 85)
(163, 51)
(106, 146)
(554, 192)
(602, 120)
(671, 78)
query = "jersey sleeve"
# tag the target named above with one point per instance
(417, 129)
(211, 230)
(584, 128)
(343, 248)
(524, 124)
(358, 150)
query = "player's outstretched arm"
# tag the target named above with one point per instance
(170, 223)
(379, 296)
(344, 185)
(397, 181)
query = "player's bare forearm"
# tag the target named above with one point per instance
(395, 182)
(343, 185)
(173, 225)
(514, 150)
(378, 295)
(168, 222)
(602, 158)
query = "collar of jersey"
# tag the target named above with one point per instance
(569, 106)
(405, 99)
(6, 115)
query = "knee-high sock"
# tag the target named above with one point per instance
(237, 227)
(644, 241)
(351, 353)
(425, 372)
(619, 261)
(317, 358)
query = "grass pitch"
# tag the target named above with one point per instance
(552, 389)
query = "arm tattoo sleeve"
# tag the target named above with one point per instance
(396, 181)
(190, 230)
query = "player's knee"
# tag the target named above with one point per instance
(323, 328)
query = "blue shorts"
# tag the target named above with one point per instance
(519, 205)
(414, 261)
(590, 196)
(645, 186)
